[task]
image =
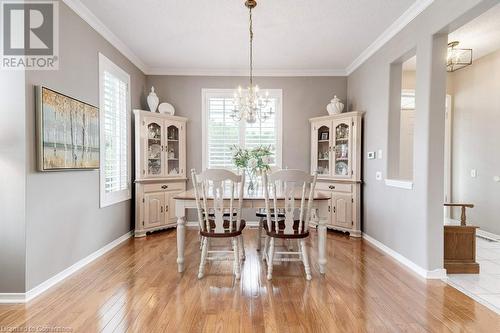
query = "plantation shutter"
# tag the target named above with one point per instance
(223, 133)
(115, 134)
(115, 161)
(263, 133)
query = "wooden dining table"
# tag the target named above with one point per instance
(319, 219)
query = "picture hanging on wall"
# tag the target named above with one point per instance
(67, 132)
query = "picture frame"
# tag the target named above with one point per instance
(67, 132)
(324, 136)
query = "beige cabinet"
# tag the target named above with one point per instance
(154, 214)
(336, 156)
(160, 160)
(342, 210)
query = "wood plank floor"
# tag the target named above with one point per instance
(136, 288)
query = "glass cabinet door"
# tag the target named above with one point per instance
(341, 158)
(154, 145)
(322, 151)
(173, 168)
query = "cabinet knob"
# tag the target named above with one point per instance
(164, 186)
(331, 187)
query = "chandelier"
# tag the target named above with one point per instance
(250, 104)
(457, 58)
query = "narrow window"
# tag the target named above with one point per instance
(114, 96)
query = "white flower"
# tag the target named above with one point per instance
(266, 159)
(252, 163)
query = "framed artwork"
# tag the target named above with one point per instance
(324, 136)
(67, 132)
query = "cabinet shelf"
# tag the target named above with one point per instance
(323, 141)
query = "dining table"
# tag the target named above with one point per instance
(255, 200)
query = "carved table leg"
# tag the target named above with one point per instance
(321, 242)
(181, 236)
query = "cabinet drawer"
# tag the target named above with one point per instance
(336, 187)
(164, 187)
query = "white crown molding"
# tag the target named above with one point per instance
(244, 72)
(42, 287)
(439, 273)
(79, 8)
(418, 7)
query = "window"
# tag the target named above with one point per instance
(114, 96)
(221, 132)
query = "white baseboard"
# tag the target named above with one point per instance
(42, 287)
(439, 273)
(487, 235)
(12, 298)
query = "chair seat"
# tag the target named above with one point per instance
(235, 232)
(280, 231)
(262, 213)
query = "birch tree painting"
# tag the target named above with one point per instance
(70, 132)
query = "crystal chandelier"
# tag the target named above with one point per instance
(250, 105)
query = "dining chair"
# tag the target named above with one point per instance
(219, 198)
(261, 214)
(290, 186)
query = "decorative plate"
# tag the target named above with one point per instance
(166, 108)
(341, 168)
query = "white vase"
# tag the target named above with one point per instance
(153, 100)
(335, 107)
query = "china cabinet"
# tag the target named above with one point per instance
(336, 156)
(160, 169)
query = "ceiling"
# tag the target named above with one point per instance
(482, 35)
(201, 37)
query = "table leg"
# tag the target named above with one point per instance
(321, 223)
(181, 235)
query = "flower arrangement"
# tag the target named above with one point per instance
(255, 160)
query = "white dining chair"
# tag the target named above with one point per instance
(261, 214)
(290, 186)
(219, 198)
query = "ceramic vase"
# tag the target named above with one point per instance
(153, 100)
(335, 107)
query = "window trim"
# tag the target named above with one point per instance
(108, 199)
(229, 93)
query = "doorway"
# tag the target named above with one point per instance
(472, 143)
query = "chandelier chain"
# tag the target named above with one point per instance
(251, 47)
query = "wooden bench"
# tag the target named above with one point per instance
(460, 245)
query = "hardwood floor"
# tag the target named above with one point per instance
(136, 288)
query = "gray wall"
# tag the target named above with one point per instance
(12, 182)
(475, 144)
(64, 222)
(410, 221)
(303, 98)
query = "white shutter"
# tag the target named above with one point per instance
(221, 132)
(114, 91)
(115, 133)
(263, 133)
